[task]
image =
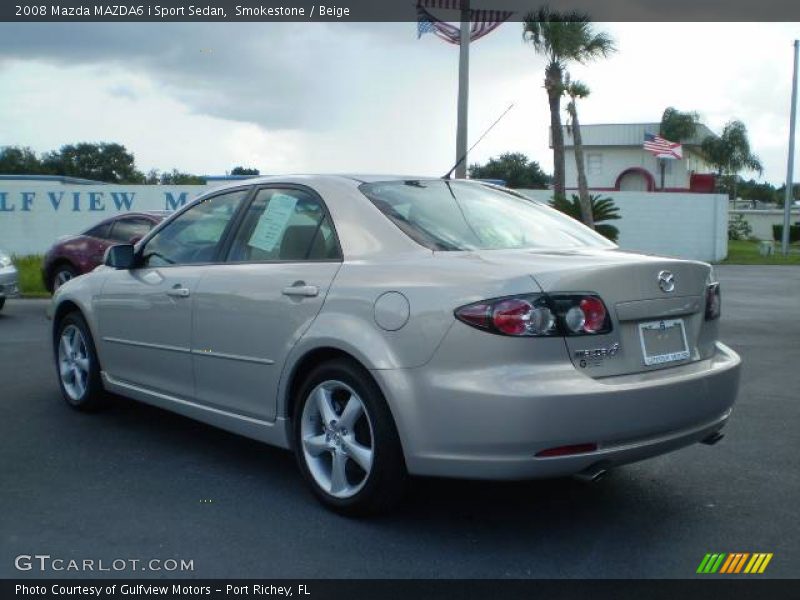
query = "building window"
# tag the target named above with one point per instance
(594, 163)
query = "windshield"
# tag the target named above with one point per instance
(458, 215)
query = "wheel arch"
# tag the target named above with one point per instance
(302, 366)
(70, 305)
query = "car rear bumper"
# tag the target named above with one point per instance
(491, 423)
(9, 286)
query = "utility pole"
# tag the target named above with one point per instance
(789, 197)
(463, 90)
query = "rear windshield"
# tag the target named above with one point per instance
(458, 215)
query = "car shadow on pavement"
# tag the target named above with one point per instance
(233, 458)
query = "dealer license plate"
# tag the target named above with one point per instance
(663, 341)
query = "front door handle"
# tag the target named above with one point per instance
(302, 290)
(179, 292)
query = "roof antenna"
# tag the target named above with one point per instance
(483, 135)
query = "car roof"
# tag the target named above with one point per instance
(310, 178)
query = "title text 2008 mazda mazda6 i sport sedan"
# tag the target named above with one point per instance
(384, 326)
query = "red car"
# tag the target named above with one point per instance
(78, 254)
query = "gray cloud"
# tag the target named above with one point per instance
(280, 76)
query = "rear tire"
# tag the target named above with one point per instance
(346, 442)
(77, 366)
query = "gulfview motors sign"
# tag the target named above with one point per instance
(34, 213)
(91, 201)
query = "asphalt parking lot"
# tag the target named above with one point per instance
(135, 482)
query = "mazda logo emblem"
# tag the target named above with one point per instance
(666, 281)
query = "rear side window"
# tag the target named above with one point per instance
(125, 230)
(458, 215)
(285, 225)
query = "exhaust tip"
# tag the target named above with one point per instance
(592, 474)
(712, 439)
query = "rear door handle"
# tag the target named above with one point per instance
(301, 290)
(179, 292)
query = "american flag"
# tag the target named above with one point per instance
(482, 22)
(662, 148)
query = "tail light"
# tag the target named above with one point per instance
(713, 302)
(539, 315)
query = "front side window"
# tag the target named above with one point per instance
(194, 235)
(285, 225)
(458, 215)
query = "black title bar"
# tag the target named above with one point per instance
(386, 10)
(732, 588)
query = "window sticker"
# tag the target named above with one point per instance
(273, 222)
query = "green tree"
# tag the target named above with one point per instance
(244, 171)
(603, 209)
(730, 154)
(763, 191)
(514, 168)
(562, 38)
(110, 163)
(676, 126)
(575, 90)
(176, 177)
(16, 160)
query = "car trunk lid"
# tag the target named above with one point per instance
(654, 325)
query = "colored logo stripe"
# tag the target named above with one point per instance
(710, 563)
(758, 563)
(734, 562)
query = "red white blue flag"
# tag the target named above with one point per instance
(662, 148)
(482, 21)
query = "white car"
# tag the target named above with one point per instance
(9, 284)
(381, 326)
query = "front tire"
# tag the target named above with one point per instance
(62, 273)
(77, 366)
(346, 442)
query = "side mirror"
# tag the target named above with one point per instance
(120, 256)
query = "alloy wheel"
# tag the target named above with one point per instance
(73, 362)
(337, 439)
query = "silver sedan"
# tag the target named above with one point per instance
(385, 326)
(9, 284)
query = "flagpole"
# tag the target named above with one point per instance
(789, 195)
(463, 90)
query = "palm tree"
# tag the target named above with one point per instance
(562, 38)
(603, 209)
(730, 153)
(575, 90)
(676, 126)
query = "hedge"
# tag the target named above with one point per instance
(794, 232)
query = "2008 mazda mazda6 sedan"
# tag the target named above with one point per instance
(383, 326)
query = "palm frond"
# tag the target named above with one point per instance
(603, 209)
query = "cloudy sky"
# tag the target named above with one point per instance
(315, 97)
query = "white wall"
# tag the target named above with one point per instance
(673, 224)
(34, 214)
(761, 221)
